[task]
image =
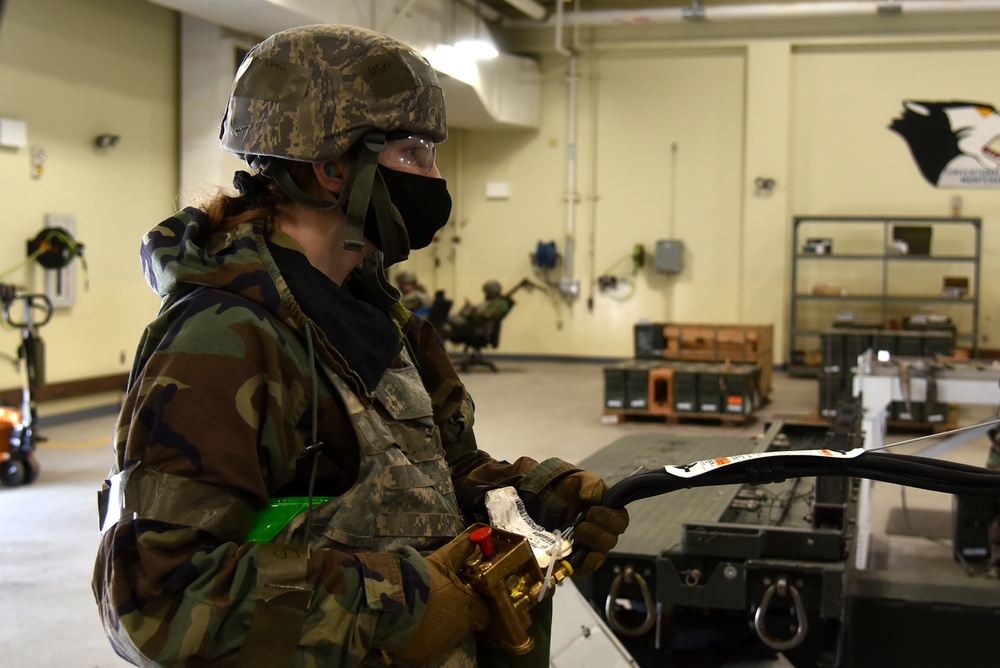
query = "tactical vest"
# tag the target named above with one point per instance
(403, 494)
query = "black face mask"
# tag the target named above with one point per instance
(422, 201)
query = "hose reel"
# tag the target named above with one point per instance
(54, 248)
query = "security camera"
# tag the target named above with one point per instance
(107, 141)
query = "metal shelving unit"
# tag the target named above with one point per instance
(880, 298)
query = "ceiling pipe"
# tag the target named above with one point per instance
(560, 21)
(569, 286)
(611, 17)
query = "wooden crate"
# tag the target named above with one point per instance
(716, 343)
(723, 343)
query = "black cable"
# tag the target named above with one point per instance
(907, 470)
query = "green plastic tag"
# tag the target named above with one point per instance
(279, 512)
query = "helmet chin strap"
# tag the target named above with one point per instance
(359, 187)
(365, 185)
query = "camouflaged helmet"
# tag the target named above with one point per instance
(310, 93)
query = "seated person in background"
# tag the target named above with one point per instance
(414, 296)
(479, 317)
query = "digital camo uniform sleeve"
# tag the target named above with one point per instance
(176, 582)
(473, 470)
(495, 309)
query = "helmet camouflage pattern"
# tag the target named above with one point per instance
(310, 93)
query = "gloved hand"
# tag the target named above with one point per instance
(453, 611)
(581, 492)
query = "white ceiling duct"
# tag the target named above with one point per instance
(253, 17)
(488, 94)
(504, 93)
(529, 8)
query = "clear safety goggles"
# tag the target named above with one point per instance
(415, 151)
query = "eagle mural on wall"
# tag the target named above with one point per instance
(955, 144)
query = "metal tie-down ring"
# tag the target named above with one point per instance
(629, 576)
(782, 588)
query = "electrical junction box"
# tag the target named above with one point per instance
(669, 256)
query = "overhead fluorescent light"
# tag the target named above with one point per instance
(445, 58)
(476, 49)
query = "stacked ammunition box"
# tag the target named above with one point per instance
(615, 386)
(693, 369)
(841, 348)
(686, 388)
(677, 388)
(626, 385)
(741, 389)
(649, 340)
(709, 390)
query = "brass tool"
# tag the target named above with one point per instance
(504, 572)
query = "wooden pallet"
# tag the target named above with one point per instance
(723, 419)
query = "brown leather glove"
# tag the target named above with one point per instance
(581, 492)
(453, 611)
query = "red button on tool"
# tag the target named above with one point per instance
(481, 537)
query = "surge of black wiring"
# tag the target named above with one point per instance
(908, 470)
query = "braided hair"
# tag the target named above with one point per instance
(257, 198)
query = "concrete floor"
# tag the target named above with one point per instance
(540, 409)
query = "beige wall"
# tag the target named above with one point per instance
(626, 175)
(812, 115)
(669, 140)
(847, 162)
(74, 69)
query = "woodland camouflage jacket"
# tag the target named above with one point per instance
(220, 409)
